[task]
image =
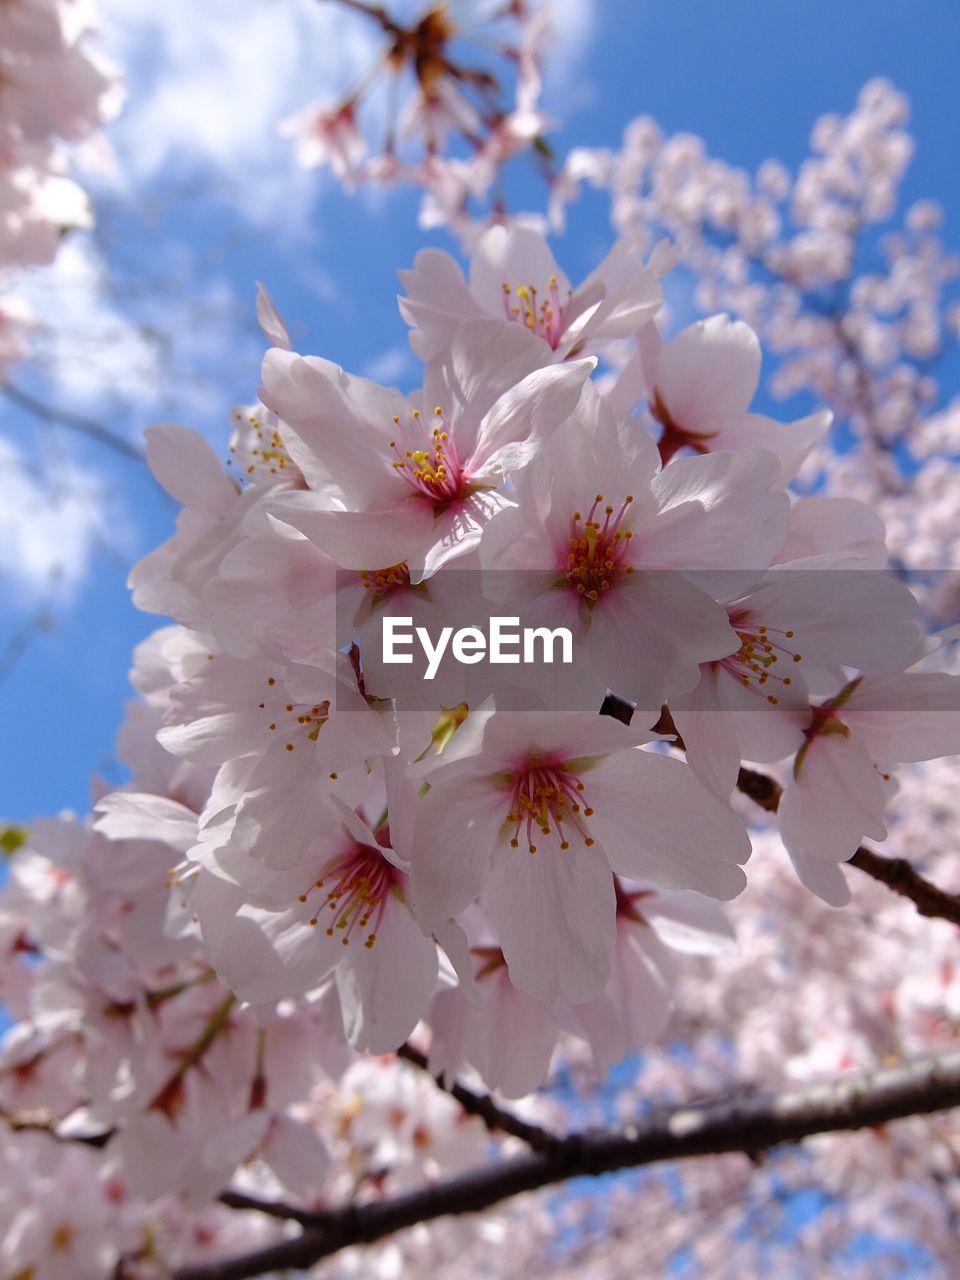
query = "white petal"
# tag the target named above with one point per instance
(457, 826)
(709, 373)
(661, 827)
(269, 320)
(555, 915)
(838, 799)
(384, 990)
(186, 466)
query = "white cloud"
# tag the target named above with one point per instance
(85, 344)
(51, 522)
(565, 87)
(391, 367)
(208, 83)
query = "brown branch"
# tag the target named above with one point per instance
(896, 873)
(484, 1108)
(75, 421)
(272, 1208)
(900, 876)
(747, 1125)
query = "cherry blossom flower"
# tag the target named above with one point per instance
(535, 810)
(604, 542)
(513, 276)
(837, 793)
(341, 909)
(421, 481)
(699, 386)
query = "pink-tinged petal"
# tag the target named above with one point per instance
(596, 450)
(242, 952)
(485, 360)
(529, 410)
(628, 295)
(510, 1038)
(557, 686)
(824, 878)
(555, 916)
(455, 533)
(838, 799)
(690, 923)
(514, 1039)
(765, 731)
(456, 830)
(829, 525)
(185, 465)
(709, 373)
(562, 735)
(649, 635)
(356, 539)
(726, 513)
(789, 441)
(270, 957)
(286, 805)
(296, 1154)
(456, 946)
(385, 989)
(512, 256)
(337, 426)
(210, 720)
(267, 584)
(127, 815)
(712, 744)
(269, 320)
(511, 541)
(907, 716)
(660, 827)
(437, 300)
(635, 1007)
(850, 615)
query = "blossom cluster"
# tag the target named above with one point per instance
(857, 308)
(450, 99)
(44, 43)
(319, 856)
(856, 303)
(310, 864)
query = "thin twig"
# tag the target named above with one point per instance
(75, 421)
(484, 1108)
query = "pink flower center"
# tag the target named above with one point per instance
(548, 798)
(431, 465)
(546, 318)
(628, 901)
(354, 888)
(762, 648)
(676, 437)
(597, 550)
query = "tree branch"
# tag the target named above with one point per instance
(75, 421)
(748, 1125)
(484, 1108)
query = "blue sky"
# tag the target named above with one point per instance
(153, 318)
